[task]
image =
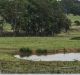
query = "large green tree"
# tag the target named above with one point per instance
(42, 17)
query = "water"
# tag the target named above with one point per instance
(54, 57)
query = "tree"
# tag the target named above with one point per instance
(36, 18)
(71, 6)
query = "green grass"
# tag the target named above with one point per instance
(39, 42)
(7, 57)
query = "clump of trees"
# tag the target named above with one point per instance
(71, 6)
(34, 17)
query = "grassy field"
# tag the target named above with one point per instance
(39, 42)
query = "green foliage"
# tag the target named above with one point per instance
(41, 51)
(71, 6)
(31, 17)
(77, 23)
(73, 17)
(25, 52)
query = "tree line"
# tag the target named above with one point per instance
(71, 6)
(35, 17)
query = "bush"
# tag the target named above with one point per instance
(41, 52)
(77, 23)
(25, 52)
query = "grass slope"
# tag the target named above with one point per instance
(39, 42)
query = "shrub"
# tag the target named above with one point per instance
(77, 23)
(41, 52)
(25, 52)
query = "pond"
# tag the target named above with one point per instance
(54, 57)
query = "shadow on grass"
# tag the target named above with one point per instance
(75, 38)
